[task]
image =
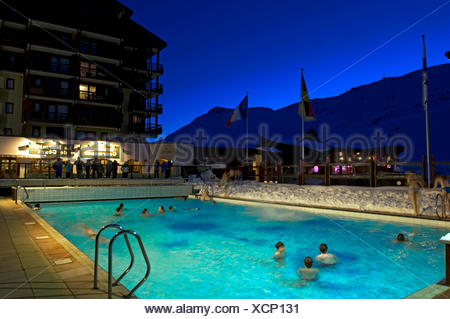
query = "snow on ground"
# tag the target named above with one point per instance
(380, 199)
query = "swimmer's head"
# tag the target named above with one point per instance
(401, 237)
(145, 210)
(280, 246)
(323, 248)
(308, 262)
(170, 208)
(214, 202)
(37, 205)
(197, 208)
(121, 205)
(161, 208)
(185, 198)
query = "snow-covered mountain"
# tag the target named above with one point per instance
(393, 105)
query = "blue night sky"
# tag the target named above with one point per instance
(218, 50)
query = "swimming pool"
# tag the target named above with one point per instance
(225, 250)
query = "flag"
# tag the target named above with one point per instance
(305, 109)
(424, 75)
(239, 113)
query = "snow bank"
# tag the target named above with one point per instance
(381, 199)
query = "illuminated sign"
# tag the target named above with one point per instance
(48, 148)
(100, 150)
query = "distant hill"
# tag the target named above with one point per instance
(393, 105)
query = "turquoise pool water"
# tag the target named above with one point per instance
(225, 250)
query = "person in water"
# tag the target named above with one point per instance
(145, 212)
(192, 209)
(119, 210)
(308, 273)
(325, 257)
(171, 209)
(37, 206)
(91, 234)
(280, 252)
(161, 210)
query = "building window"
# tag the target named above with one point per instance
(59, 64)
(85, 135)
(10, 84)
(36, 131)
(88, 47)
(87, 92)
(88, 69)
(37, 82)
(64, 88)
(9, 108)
(7, 131)
(36, 107)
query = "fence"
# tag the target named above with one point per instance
(362, 174)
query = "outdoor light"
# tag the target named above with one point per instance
(316, 169)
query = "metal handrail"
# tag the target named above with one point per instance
(17, 192)
(97, 237)
(144, 253)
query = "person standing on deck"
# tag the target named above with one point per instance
(168, 168)
(445, 189)
(95, 167)
(415, 184)
(69, 168)
(57, 166)
(79, 167)
(88, 168)
(115, 166)
(156, 169)
(108, 167)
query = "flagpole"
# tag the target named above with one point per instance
(425, 105)
(303, 128)
(246, 153)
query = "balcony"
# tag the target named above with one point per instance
(51, 92)
(140, 103)
(156, 88)
(12, 37)
(48, 66)
(98, 116)
(46, 117)
(156, 108)
(156, 68)
(153, 129)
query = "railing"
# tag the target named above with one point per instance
(358, 174)
(49, 117)
(125, 233)
(156, 68)
(156, 88)
(51, 92)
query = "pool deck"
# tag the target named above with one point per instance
(38, 262)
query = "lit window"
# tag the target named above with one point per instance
(87, 92)
(9, 108)
(37, 82)
(10, 84)
(37, 107)
(64, 65)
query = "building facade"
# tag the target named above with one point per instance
(77, 70)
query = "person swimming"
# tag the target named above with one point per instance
(161, 210)
(308, 273)
(281, 250)
(171, 209)
(192, 209)
(400, 237)
(92, 234)
(119, 210)
(37, 206)
(324, 257)
(145, 212)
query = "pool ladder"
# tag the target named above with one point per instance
(125, 233)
